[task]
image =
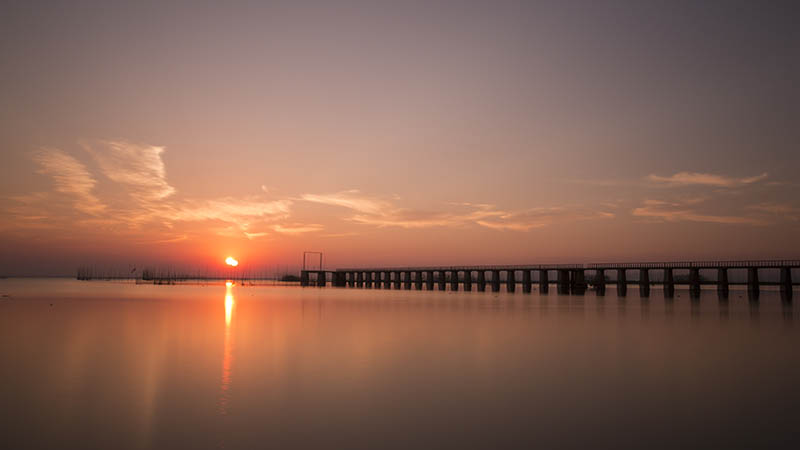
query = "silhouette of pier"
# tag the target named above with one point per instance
(569, 278)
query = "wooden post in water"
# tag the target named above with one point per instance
(694, 282)
(752, 279)
(644, 282)
(368, 280)
(481, 281)
(669, 283)
(544, 281)
(577, 282)
(511, 281)
(495, 281)
(722, 283)
(526, 281)
(387, 280)
(563, 281)
(468, 280)
(453, 280)
(786, 280)
(622, 283)
(600, 282)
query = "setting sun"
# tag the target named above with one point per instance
(231, 261)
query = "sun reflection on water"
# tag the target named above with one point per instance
(227, 355)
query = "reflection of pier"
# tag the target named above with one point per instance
(569, 278)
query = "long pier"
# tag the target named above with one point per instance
(568, 278)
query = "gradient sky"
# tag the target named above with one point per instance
(397, 133)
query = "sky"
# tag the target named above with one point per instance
(396, 133)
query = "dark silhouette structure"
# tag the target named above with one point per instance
(570, 278)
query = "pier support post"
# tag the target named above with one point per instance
(694, 282)
(511, 281)
(481, 281)
(495, 281)
(752, 280)
(322, 279)
(468, 280)
(407, 280)
(429, 280)
(368, 280)
(563, 281)
(786, 280)
(397, 279)
(387, 280)
(669, 283)
(622, 283)
(360, 279)
(351, 279)
(600, 282)
(526, 281)
(544, 281)
(453, 280)
(303, 278)
(577, 282)
(442, 280)
(722, 283)
(644, 283)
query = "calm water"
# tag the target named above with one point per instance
(111, 365)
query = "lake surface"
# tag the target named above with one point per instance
(116, 365)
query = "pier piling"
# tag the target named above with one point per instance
(644, 282)
(544, 281)
(526, 281)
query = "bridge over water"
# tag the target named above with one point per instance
(568, 278)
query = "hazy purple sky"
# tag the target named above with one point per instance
(397, 132)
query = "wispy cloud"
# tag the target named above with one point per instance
(777, 209)
(138, 166)
(71, 177)
(229, 210)
(384, 213)
(352, 199)
(140, 172)
(532, 218)
(662, 211)
(704, 179)
(297, 228)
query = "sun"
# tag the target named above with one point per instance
(231, 261)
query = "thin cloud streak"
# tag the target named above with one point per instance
(381, 213)
(351, 199)
(662, 211)
(704, 179)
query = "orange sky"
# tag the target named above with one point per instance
(395, 135)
